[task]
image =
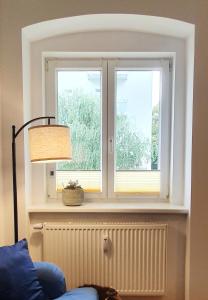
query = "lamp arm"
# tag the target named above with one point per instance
(14, 175)
(31, 121)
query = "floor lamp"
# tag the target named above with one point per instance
(48, 143)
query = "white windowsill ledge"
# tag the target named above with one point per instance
(92, 207)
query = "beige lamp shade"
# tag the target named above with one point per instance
(49, 143)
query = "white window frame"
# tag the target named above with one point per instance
(108, 66)
(51, 108)
(165, 108)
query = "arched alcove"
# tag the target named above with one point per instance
(103, 22)
(130, 24)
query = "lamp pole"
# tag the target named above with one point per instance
(14, 173)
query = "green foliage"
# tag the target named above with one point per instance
(132, 150)
(73, 185)
(82, 112)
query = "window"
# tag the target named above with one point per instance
(119, 114)
(79, 106)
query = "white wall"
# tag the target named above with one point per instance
(17, 14)
(2, 209)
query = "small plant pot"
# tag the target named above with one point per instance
(73, 197)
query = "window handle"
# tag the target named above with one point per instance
(110, 145)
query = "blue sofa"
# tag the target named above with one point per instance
(54, 286)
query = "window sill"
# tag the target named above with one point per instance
(92, 207)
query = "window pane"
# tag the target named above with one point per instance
(79, 106)
(137, 168)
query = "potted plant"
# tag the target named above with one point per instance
(73, 194)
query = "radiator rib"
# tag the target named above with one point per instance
(135, 263)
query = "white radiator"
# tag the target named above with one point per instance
(129, 257)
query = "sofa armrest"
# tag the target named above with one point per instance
(51, 278)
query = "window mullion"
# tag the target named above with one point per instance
(111, 127)
(104, 138)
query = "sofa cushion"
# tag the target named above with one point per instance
(51, 279)
(79, 294)
(18, 278)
